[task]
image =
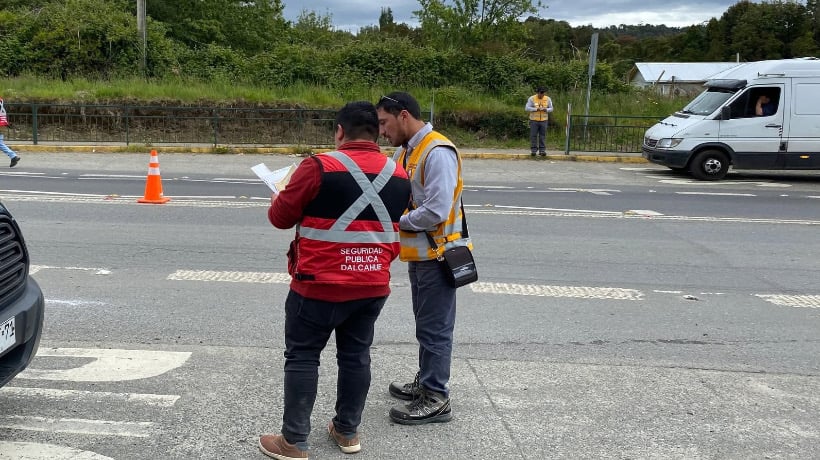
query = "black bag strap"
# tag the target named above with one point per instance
(464, 233)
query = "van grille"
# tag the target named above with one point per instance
(649, 142)
(12, 260)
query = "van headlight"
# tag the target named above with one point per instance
(668, 143)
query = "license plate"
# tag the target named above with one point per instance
(7, 337)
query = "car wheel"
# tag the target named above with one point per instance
(710, 165)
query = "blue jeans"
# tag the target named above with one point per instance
(434, 307)
(5, 148)
(308, 325)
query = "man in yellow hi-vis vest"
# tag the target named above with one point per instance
(434, 166)
(539, 106)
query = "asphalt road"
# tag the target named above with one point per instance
(622, 311)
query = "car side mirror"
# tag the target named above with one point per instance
(726, 113)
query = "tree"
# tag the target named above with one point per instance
(470, 23)
(317, 29)
(249, 26)
(386, 21)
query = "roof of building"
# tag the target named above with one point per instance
(780, 67)
(665, 72)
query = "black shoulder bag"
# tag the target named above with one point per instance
(458, 263)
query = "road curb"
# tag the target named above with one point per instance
(227, 150)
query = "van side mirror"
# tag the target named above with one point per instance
(726, 113)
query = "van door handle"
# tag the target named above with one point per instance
(772, 125)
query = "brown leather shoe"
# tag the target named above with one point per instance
(276, 446)
(348, 445)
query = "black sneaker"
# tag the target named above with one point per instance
(542, 154)
(429, 407)
(405, 391)
(14, 161)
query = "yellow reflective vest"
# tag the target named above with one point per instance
(541, 103)
(414, 245)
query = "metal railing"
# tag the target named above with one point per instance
(162, 124)
(143, 124)
(607, 133)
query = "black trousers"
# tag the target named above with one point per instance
(308, 325)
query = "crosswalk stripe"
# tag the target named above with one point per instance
(582, 292)
(37, 451)
(77, 426)
(231, 277)
(153, 400)
(798, 301)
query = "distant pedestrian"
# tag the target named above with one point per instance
(539, 107)
(346, 207)
(4, 121)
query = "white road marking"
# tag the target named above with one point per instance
(74, 303)
(98, 271)
(565, 211)
(714, 194)
(495, 187)
(642, 212)
(720, 183)
(815, 197)
(77, 426)
(797, 301)
(582, 292)
(110, 176)
(478, 209)
(129, 200)
(33, 451)
(667, 292)
(108, 365)
(594, 191)
(546, 212)
(91, 397)
(227, 276)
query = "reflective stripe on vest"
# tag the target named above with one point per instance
(4, 121)
(370, 196)
(416, 246)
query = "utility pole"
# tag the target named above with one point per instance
(142, 33)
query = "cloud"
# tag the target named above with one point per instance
(354, 14)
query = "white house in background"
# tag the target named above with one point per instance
(676, 78)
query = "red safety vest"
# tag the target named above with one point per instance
(4, 120)
(349, 234)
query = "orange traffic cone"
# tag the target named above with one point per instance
(153, 183)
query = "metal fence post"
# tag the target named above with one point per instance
(569, 128)
(127, 125)
(34, 123)
(216, 127)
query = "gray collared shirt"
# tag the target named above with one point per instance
(440, 179)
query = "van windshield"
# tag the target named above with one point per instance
(708, 101)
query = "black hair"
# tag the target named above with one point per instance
(397, 101)
(359, 120)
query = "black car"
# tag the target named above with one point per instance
(21, 302)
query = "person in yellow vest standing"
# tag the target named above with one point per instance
(434, 167)
(4, 121)
(539, 107)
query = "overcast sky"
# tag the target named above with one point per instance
(353, 14)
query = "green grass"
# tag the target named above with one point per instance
(179, 91)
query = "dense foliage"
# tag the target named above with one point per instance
(478, 45)
(465, 52)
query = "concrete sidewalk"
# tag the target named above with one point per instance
(472, 153)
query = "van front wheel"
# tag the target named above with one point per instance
(709, 165)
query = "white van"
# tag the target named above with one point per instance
(725, 125)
